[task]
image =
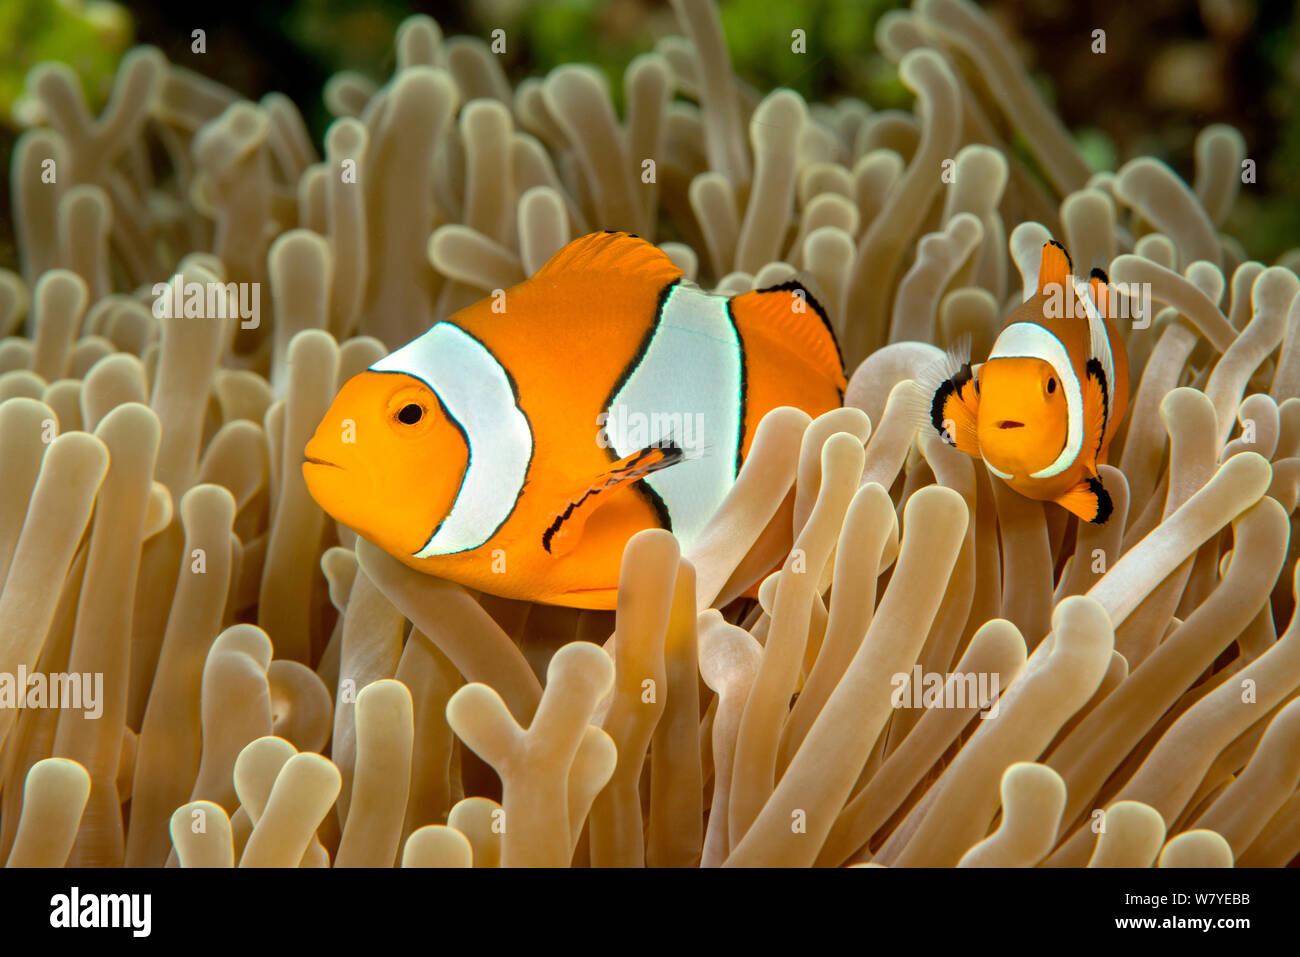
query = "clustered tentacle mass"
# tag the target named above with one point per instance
(1132, 686)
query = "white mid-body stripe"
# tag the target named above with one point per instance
(476, 392)
(1027, 340)
(686, 389)
(1099, 340)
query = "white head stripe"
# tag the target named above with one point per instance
(998, 472)
(476, 393)
(1027, 340)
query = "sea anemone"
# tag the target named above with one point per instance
(278, 692)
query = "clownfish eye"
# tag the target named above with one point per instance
(1051, 386)
(410, 414)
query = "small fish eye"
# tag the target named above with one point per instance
(1051, 386)
(410, 414)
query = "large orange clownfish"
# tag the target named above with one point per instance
(515, 447)
(1042, 411)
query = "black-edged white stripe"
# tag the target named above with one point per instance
(690, 378)
(480, 398)
(1099, 341)
(1027, 340)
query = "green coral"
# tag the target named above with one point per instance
(89, 37)
(839, 36)
(840, 52)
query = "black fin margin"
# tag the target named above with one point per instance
(1093, 367)
(947, 388)
(675, 455)
(1104, 505)
(1068, 261)
(791, 284)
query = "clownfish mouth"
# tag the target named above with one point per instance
(1010, 424)
(315, 461)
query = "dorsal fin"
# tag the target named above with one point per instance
(788, 314)
(1054, 266)
(612, 254)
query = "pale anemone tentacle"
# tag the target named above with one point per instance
(791, 750)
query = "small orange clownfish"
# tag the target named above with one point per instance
(516, 450)
(1041, 412)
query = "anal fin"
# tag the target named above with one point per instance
(565, 530)
(1088, 500)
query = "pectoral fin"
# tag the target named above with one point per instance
(565, 531)
(1089, 501)
(954, 411)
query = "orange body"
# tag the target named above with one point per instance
(540, 395)
(1042, 410)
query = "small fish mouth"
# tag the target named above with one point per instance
(1010, 424)
(315, 461)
